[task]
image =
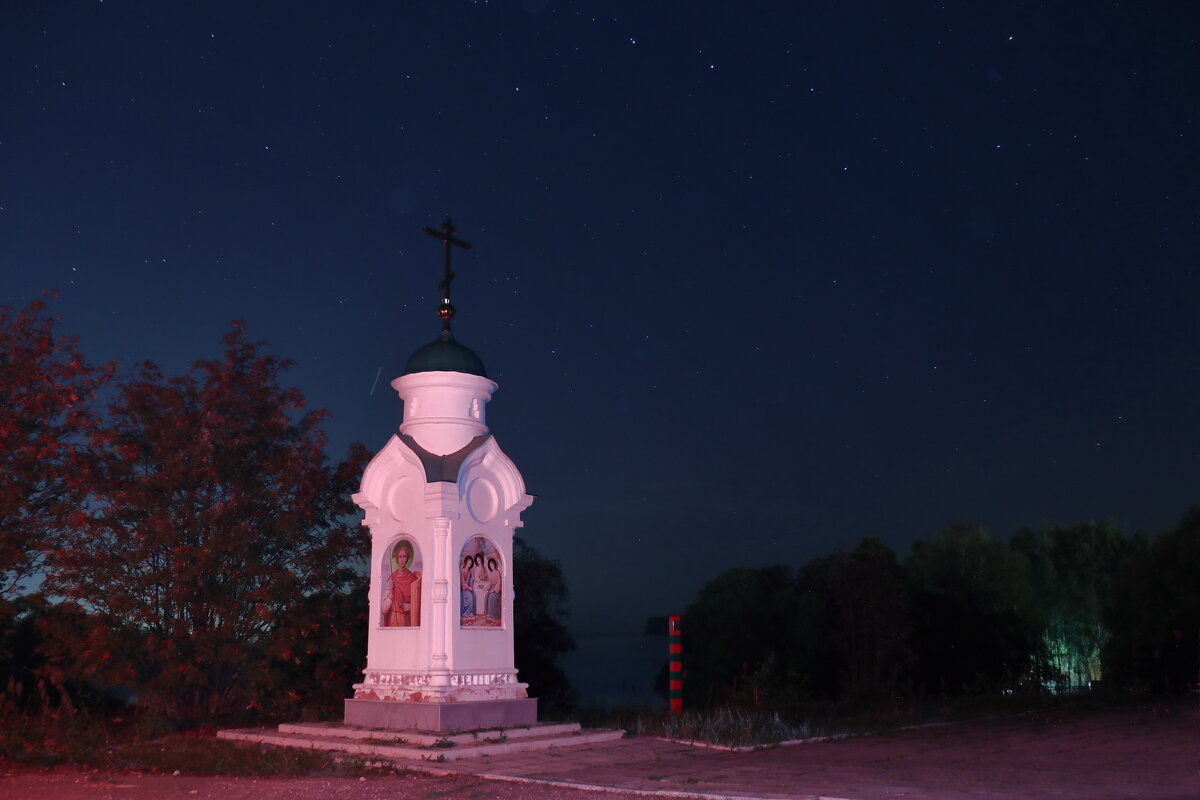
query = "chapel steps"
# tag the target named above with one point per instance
(422, 746)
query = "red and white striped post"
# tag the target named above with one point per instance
(675, 649)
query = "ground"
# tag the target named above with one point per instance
(1143, 752)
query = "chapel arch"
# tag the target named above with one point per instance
(400, 589)
(482, 584)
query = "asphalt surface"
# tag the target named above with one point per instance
(1150, 752)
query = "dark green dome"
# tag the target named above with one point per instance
(445, 354)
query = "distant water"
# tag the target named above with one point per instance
(617, 671)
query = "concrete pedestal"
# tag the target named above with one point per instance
(441, 717)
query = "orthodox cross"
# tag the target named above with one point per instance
(446, 234)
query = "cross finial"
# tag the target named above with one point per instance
(446, 234)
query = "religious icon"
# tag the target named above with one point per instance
(402, 586)
(481, 580)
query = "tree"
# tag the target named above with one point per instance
(745, 638)
(212, 513)
(317, 654)
(38, 656)
(817, 656)
(1073, 572)
(1154, 614)
(46, 390)
(871, 623)
(977, 628)
(539, 630)
(837, 627)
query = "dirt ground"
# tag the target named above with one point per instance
(98, 786)
(1149, 752)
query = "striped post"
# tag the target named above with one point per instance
(675, 648)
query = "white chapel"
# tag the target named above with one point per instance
(442, 500)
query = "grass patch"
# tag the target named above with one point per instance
(137, 744)
(206, 755)
(739, 726)
(726, 726)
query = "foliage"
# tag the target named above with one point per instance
(19, 655)
(978, 628)
(318, 652)
(1154, 614)
(1073, 571)
(539, 628)
(38, 668)
(211, 515)
(739, 637)
(966, 616)
(778, 637)
(46, 389)
(816, 666)
(871, 622)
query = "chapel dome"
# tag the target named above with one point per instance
(445, 354)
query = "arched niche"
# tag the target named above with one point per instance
(400, 585)
(482, 582)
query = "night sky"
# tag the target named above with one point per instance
(756, 279)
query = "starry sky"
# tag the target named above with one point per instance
(756, 279)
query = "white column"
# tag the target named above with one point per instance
(441, 590)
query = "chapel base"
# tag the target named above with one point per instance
(441, 717)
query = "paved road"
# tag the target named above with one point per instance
(1134, 753)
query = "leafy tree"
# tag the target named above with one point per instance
(20, 656)
(1154, 614)
(46, 389)
(318, 653)
(539, 627)
(819, 668)
(871, 623)
(977, 628)
(39, 656)
(1073, 573)
(743, 638)
(838, 627)
(212, 515)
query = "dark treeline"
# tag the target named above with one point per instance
(1060, 609)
